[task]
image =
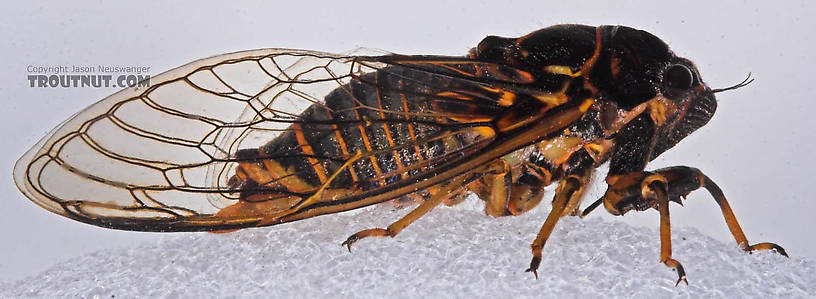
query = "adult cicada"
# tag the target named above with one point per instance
(269, 136)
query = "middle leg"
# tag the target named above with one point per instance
(578, 171)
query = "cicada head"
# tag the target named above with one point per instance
(636, 69)
(691, 103)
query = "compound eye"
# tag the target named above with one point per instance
(678, 78)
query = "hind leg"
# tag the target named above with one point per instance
(441, 194)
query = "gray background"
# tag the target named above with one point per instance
(758, 147)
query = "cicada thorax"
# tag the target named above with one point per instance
(560, 59)
(610, 69)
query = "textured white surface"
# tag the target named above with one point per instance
(452, 252)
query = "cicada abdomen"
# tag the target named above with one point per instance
(382, 129)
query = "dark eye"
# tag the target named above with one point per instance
(678, 78)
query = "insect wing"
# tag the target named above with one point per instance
(161, 157)
(155, 153)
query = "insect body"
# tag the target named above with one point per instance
(270, 136)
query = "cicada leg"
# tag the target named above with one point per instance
(569, 190)
(443, 193)
(683, 180)
(456, 198)
(494, 187)
(658, 185)
(644, 190)
(506, 195)
(640, 191)
(591, 207)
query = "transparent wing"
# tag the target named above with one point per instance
(164, 157)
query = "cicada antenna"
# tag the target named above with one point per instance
(744, 83)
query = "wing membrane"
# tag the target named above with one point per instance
(162, 158)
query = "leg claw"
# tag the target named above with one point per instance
(374, 232)
(683, 279)
(351, 240)
(672, 263)
(534, 266)
(535, 272)
(767, 246)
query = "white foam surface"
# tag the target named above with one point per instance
(450, 253)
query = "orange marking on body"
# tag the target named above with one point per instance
(563, 159)
(470, 118)
(270, 171)
(373, 159)
(539, 172)
(597, 150)
(585, 69)
(256, 172)
(276, 174)
(318, 196)
(343, 148)
(491, 89)
(552, 100)
(455, 95)
(586, 104)
(561, 70)
(506, 98)
(366, 142)
(345, 152)
(388, 135)
(486, 132)
(559, 149)
(657, 111)
(526, 77)
(410, 127)
(257, 207)
(307, 149)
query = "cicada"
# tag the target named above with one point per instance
(265, 137)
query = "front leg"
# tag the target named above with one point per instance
(683, 180)
(644, 190)
(658, 185)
